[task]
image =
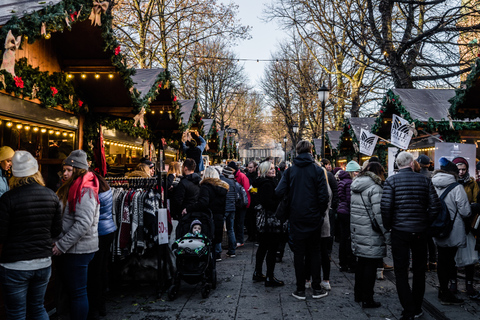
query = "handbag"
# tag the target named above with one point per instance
(375, 225)
(260, 218)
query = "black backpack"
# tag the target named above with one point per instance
(241, 197)
(443, 224)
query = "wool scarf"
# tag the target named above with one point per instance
(80, 187)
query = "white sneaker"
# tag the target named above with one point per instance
(326, 285)
(308, 284)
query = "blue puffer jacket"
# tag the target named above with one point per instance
(105, 222)
(3, 182)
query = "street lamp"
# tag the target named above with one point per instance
(285, 142)
(295, 131)
(323, 94)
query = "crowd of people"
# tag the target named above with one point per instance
(307, 205)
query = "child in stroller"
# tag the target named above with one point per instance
(194, 253)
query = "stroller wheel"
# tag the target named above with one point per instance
(172, 292)
(205, 291)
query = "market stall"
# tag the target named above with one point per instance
(348, 146)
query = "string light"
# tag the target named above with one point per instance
(71, 135)
(64, 134)
(110, 75)
(43, 130)
(50, 131)
(19, 126)
(97, 76)
(9, 124)
(27, 128)
(70, 76)
(35, 129)
(83, 75)
(57, 133)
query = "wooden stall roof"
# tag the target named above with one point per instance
(207, 127)
(464, 105)
(334, 138)
(361, 123)
(144, 79)
(186, 108)
(423, 104)
(20, 8)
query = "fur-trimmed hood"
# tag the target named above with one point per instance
(215, 182)
(364, 181)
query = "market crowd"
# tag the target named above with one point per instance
(306, 206)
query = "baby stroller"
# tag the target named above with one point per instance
(194, 266)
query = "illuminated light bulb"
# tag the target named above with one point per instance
(97, 76)
(1, 122)
(83, 75)
(71, 135)
(153, 112)
(57, 133)
(70, 76)
(110, 75)
(35, 129)
(161, 111)
(27, 127)
(107, 143)
(43, 130)
(50, 131)
(64, 134)
(19, 126)
(47, 36)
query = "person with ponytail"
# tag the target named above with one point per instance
(78, 241)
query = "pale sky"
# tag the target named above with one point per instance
(265, 37)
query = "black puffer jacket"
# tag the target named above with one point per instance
(30, 217)
(409, 202)
(308, 193)
(186, 194)
(213, 196)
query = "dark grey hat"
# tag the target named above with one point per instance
(423, 159)
(77, 159)
(228, 172)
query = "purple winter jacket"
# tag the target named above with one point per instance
(344, 192)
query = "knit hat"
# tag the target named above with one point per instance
(148, 163)
(423, 160)
(228, 172)
(352, 166)
(373, 159)
(24, 164)
(195, 222)
(6, 153)
(77, 159)
(458, 160)
(447, 165)
(233, 165)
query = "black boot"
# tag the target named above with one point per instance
(371, 304)
(258, 276)
(273, 282)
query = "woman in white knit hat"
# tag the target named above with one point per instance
(78, 241)
(29, 217)
(6, 154)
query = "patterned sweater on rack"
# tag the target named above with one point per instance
(151, 206)
(126, 225)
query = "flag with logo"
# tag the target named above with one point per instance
(401, 132)
(368, 141)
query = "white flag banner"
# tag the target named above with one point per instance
(368, 141)
(401, 132)
(162, 226)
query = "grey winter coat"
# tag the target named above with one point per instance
(325, 233)
(455, 200)
(80, 230)
(366, 242)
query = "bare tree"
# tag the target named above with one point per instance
(317, 23)
(415, 41)
(167, 33)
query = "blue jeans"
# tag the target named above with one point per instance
(229, 222)
(73, 269)
(25, 290)
(239, 225)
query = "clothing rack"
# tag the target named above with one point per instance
(133, 182)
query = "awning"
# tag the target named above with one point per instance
(19, 8)
(334, 138)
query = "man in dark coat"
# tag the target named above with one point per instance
(409, 206)
(306, 187)
(187, 189)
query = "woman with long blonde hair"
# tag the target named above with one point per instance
(29, 218)
(78, 241)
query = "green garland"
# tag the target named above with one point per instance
(51, 89)
(347, 128)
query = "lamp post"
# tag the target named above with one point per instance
(285, 142)
(323, 94)
(295, 131)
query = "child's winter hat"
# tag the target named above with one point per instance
(195, 222)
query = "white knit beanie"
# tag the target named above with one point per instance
(24, 164)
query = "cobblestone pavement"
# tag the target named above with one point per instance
(237, 297)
